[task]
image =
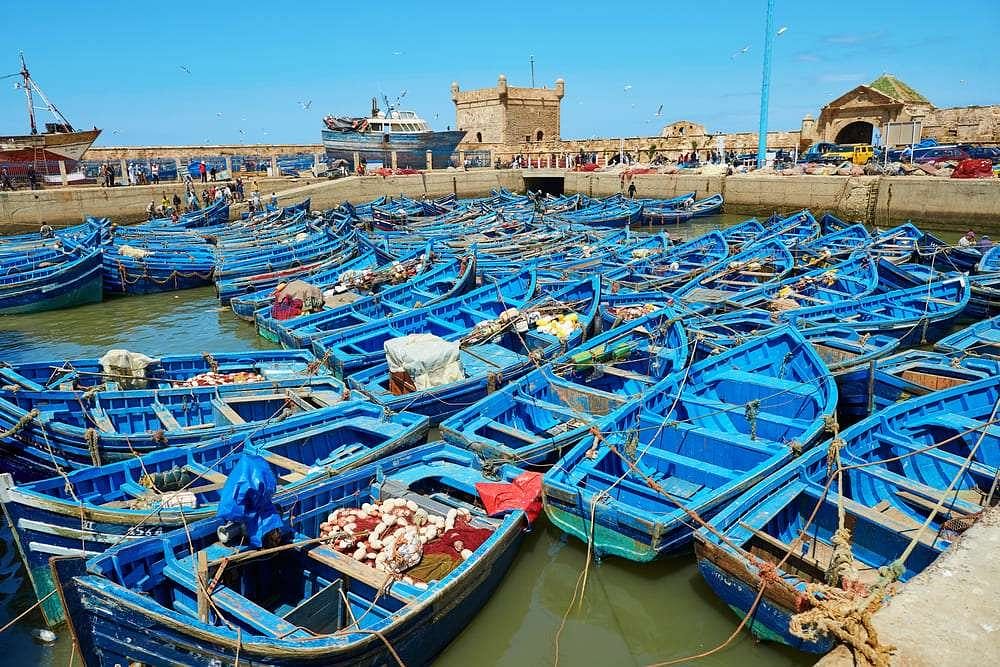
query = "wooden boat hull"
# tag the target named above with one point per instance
(79, 282)
(411, 148)
(113, 623)
(46, 525)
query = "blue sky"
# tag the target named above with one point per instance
(119, 65)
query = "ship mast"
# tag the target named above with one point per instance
(27, 93)
(29, 85)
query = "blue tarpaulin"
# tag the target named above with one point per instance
(246, 498)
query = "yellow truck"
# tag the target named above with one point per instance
(854, 153)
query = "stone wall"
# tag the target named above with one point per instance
(144, 152)
(979, 124)
(934, 202)
(505, 114)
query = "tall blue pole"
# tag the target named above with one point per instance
(765, 86)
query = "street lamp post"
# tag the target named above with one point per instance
(765, 86)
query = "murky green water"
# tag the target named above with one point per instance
(631, 614)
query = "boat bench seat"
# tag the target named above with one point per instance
(718, 407)
(564, 410)
(778, 385)
(901, 443)
(689, 462)
(234, 605)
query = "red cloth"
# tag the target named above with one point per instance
(471, 539)
(523, 493)
(973, 169)
(286, 309)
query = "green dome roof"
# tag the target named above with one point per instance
(889, 85)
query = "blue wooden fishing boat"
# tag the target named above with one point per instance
(325, 276)
(350, 349)
(941, 256)
(847, 280)
(980, 339)
(742, 234)
(840, 347)
(159, 373)
(537, 418)
(129, 269)
(830, 223)
(990, 261)
(306, 603)
(312, 247)
(758, 265)
(448, 279)
(892, 277)
(896, 467)
(985, 300)
(687, 209)
(87, 511)
(914, 316)
(70, 276)
(652, 207)
(494, 349)
(48, 430)
(898, 245)
(910, 316)
(676, 265)
(833, 246)
(612, 212)
(793, 231)
(874, 387)
(692, 443)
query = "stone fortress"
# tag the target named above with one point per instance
(508, 120)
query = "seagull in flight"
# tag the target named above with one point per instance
(305, 105)
(659, 111)
(740, 52)
(782, 30)
(183, 67)
(219, 114)
(628, 87)
(398, 53)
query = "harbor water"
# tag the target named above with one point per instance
(630, 613)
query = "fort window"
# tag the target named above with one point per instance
(479, 137)
(539, 135)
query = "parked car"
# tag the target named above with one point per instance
(815, 152)
(853, 153)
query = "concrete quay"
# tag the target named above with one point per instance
(877, 200)
(949, 614)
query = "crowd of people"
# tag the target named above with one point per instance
(229, 192)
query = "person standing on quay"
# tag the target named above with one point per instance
(203, 171)
(631, 190)
(154, 171)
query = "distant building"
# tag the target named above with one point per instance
(852, 118)
(507, 114)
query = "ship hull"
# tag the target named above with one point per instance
(67, 146)
(410, 147)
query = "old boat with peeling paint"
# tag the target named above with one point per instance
(86, 511)
(691, 444)
(305, 605)
(539, 417)
(897, 466)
